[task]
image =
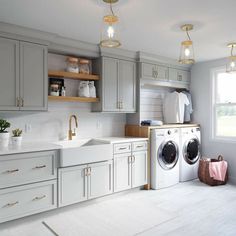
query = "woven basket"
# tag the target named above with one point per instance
(204, 174)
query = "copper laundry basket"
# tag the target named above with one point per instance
(204, 174)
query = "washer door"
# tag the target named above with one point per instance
(168, 155)
(191, 151)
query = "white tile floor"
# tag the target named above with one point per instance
(190, 208)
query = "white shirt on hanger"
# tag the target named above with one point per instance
(183, 100)
(173, 107)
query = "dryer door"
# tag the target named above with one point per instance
(191, 151)
(168, 155)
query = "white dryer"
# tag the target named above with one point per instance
(164, 157)
(190, 140)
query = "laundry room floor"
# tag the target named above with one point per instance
(190, 208)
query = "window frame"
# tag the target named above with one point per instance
(215, 105)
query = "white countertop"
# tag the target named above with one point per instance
(29, 147)
(43, 146)
(120, 139)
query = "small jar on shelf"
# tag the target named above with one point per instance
(84, 66)
(54, 90)
(72, 64)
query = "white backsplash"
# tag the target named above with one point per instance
(53, 125)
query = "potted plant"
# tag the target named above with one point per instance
(4, 134)
(16, 138)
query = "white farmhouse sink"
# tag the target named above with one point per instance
(83, 151)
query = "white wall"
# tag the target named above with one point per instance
(201, 93)
(53, 125)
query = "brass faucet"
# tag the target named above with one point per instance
(70, 133)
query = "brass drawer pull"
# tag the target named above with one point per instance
(133, 159)
(139, 146)
(22, 102)
(130, 159)
(89, 171)
(40, 167)
(11, 204)
(12, 171)
(123, 148)
(17, 102)
(39, 198)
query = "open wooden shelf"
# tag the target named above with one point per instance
(72, 99)
(70, 75)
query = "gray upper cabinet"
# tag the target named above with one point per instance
(127, 88)
(33, 76)
(110, 84)
(23, 84)
(9, 77)
(153, 71)
(118, 89)
(180, 76)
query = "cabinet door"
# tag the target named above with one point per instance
(162, 73)
(184, 76)
(152, 71)
(72, 185)
(176, 75)
(110, 84)
(9, 68)
(139, 169)
(127, 86)
(100, 179)
(122, 172)
(148, 70)
(33, 76)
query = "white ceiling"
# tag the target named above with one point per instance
(146, 25)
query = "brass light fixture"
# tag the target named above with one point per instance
(186, 52)
(110, 30)
(231, 64)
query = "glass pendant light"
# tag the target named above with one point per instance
(231, 64)
(186, 52)
(110, 31)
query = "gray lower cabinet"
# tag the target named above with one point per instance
(18, 169)
(28, 199)
(180, 76)
(28, 184)
(154, 71)
(122, 172)
(72, 185)
(118, 89)
(79, 183)
(130, 168)
(139, 169)
(23, 84)
(100, 179)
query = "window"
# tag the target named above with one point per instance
(224, 105)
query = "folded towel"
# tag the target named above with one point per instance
(218, 170)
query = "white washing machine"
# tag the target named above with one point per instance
(190, 140)
(164, 157)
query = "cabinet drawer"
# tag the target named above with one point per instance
(139, 146)
(27, 168)
(153, 71)
(25, 200)
(179, 75)
(122, 148)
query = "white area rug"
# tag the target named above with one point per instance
(125, 215)
(187, 209)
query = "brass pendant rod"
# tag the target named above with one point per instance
(188, 35)
(111, 8)
(232, 48)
